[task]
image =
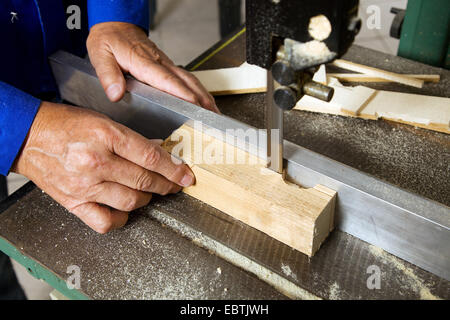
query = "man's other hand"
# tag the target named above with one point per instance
(96, 168)
(117, 47)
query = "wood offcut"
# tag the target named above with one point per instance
(423, 111)
(375, 72)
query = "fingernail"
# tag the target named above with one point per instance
(113, 92)
(187, 180)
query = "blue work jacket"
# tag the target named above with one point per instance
(31, 30)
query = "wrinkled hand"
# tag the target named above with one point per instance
(96, 168)
(117, 47)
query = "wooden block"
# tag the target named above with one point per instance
(378, 73)
(248, 191)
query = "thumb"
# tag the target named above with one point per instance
(110, 74)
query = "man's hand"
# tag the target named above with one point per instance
(96, 168)
(117, 47)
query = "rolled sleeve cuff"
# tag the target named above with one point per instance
(17, 112)
(135, 12)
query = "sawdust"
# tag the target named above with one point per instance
(279, 283)
(334, 291)
(164, 277)
(287, 271)
(410, 278)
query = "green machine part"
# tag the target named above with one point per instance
(41, 272)
(425, 32)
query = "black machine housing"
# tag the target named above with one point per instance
(269, 22)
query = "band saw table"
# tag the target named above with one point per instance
(393, 184)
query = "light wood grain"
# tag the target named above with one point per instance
(427, 112)
(243, 79)
(321, 75)
(358, 77)
(370, 71)
(248, 191)
(419, 110)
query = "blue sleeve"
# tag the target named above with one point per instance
(17, 112)
(131, 11)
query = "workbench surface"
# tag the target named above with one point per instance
(161, 253)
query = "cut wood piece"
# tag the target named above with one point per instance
(358, 77)
(346, 100)
(418, 110)
(244, 79)
(358, 101)
(350, 100)
(321, 75)
(248, 191)
(378, 73)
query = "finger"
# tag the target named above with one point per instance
(99, 218)
(149, 155)
(109, 73)
(120, 197)
(205, 98)
(147, 70)
(136, 177)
